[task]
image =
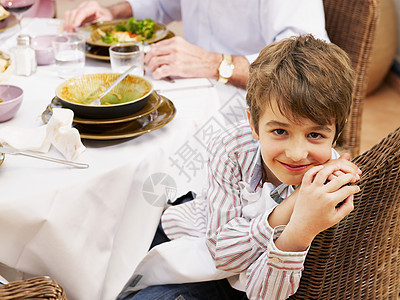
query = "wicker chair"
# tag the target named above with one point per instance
(359, 258)
(351, 25)
(42, 287)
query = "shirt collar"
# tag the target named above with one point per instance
(257, 170)
(280, 192)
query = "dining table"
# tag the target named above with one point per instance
(88, 228)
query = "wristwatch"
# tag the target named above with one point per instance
(225, 69)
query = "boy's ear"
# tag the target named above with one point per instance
(334, 142)
(254, 132)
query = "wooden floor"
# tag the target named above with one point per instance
(381, 115)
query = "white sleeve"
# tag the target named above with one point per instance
(162, 11)
(281, 19)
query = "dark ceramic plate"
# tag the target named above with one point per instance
(152, 104)
(127, 98)
(102, 52)
(155, 120)
(160, 31)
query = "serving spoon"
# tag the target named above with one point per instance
(113, 85)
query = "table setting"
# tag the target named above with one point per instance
(88, 225)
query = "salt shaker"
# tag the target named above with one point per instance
(25, 56)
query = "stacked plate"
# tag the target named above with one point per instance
(97, 49)
(7, 20)
(157, 112)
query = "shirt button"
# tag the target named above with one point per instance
(204, 21)
(275, 260)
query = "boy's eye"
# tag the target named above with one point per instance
(279, 131)
(315, 135)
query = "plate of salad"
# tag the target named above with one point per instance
(125, 31)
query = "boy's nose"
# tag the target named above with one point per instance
(297, 151)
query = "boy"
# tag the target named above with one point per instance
(273, 184)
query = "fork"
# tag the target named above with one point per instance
(113, 85)
(9, 150)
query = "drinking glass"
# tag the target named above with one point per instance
(69, 53)
(17, 7)
(124, 56)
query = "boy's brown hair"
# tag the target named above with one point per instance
(307, 77)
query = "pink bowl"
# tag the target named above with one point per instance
(11, 97)
(43, 48)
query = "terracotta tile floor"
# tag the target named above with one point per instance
(381, 115)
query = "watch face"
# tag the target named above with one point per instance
(225, 70)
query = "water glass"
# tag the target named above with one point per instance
(123, 56)
(69, 53)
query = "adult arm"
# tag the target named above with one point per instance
(286, 18)
(177, 57)
(91, 11)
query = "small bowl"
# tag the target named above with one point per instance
(42, 44)
(11, 97)
(127, 98)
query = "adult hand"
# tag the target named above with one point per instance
(177, 57)
(86, 12)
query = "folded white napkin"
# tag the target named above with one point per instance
(181, 84)
(256, 203)
(57, 132)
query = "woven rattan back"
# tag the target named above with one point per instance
(42, 287)
(351, 25)
(360, 257)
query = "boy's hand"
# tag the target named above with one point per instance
(316, 207)
(346, 166)
(282, 213)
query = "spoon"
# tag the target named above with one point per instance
(113, 85)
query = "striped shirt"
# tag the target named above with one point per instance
(237, 243)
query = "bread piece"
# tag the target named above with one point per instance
(3, 65)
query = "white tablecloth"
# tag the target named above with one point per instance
(89, 228)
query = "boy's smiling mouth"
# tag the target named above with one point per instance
(294, 167)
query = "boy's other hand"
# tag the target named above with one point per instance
(346, 166)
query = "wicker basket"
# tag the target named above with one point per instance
(34, 288)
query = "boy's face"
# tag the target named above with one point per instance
(290, 149)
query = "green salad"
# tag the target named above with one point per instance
(133, 30)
